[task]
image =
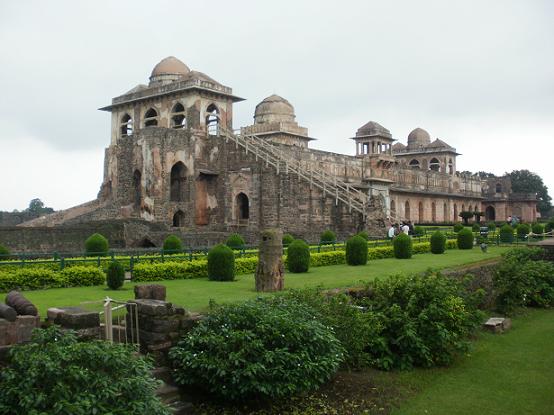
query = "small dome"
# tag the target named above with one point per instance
(170, 66)
(274, 109)
(398, 146)
(418, 138)
(373, 128)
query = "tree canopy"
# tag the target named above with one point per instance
(525, 181)
(37, 207)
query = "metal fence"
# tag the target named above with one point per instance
(121, 322)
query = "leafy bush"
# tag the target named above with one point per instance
(491, 226)
(466, 215)
(475, 227)
(523, 254)
(523, 230)
(419, 231)
(549, 227)
(458, 227)
(115, 275)
(173, 244)
(56, 374)
(31, 279)
(356, 251)
(270, 348)
(82, 275)
(287, 239)
(328, 237)
(298, 256)
(96, 245)
(221, 263)
(425, 319)
(364, 235)
(4, 252)
(402, 246)
(235, 241)
(506, 234)
(438, 242)
(465, 239)
(537, 228)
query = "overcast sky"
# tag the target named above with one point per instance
(477, 74)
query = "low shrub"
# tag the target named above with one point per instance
(523, 230)
(419, 231)
(506, 234)
(537, 228)
(235, 241)
(438, 242)
(458, 227)
(298, 256)
(465, 239)
(287, 239)
(364, 235)
(31, 279)
(549, 227)
(115, 275)
(82, 275)
(475, 227)
(356, 251)
(96, 245)
(323, 259)
(57, 374)
(172, 244)
(265, 348)
(327, 237)
(221, 263)
(402, 246)
(491, 226)
(4, 252)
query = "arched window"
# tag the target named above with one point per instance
(433, 212)
(407, 210)
(414, 164)
(178, 117)
(137, 188)
(212, 120)
(420, 209)
(179, 219)
(490, 213)
(146, 243)
(455, 212)
(242, 207)
(126, 125)
(177, 182)
(498, 188)
(393, 209)
(151, 118)
(463, 207)
(445, 212)
(434, 164)
(450, 167)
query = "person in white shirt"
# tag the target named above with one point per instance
(391, 231)
(406, 229)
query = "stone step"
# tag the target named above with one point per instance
(168, 393)
(163, 374)
(181, 408)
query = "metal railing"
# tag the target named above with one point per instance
(127, 322)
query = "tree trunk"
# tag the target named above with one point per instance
(270, 272)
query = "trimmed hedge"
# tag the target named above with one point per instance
(3, 251)
(328, 237)
(523, 230)
(115, 275)
(475, 227)
(491, 226)
(438, 242)
(173, 244)
(537, 228)
(506, 234)
(41, 278)
(96, 245)
(298, 255)
(364, 235)
(221, 263)
(458, 227)
(287, 239)
(356, 251)
(402, 246)
(465, 239)
(235, 241)
(419, 231)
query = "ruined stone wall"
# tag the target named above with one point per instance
(15, 218)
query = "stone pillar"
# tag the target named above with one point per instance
(270, 272)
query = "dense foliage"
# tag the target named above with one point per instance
(466, 215)
(491, 226)
(356, 250)
(41, 277)
(298, 256)
(56, 374)
(4, 252)
(402, 246)
(221, 263)
(458, 227)
(549, 227)
(235, 241)
(173, 244)
(96, 245)
(465, 239)
(115, 275)
(364, 235)
(438, 242)
(287, 239)
(506, 234)
(328, 237)
(523, 230)
(475, 227)
(270, 347)
(419, 231)
(537, 228)
(524, 181)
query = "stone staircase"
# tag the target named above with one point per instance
(284, 162)
(171, 394)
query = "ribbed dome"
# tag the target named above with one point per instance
(418, 138)
(373, 128)
(274, 109)
(170, 66)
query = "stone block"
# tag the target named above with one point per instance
(25, 326)
(497, 324)
(149, 338)
(191, 320)
(150, 292)
(150, 307)
(74, 318)
(8, 332)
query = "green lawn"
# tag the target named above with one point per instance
(506, 374)
(195, 294)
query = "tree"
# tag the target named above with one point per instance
(37, 207)
(524, 181)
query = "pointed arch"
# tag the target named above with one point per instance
(242, 206)
(137, 188)
(455, 212)
(414, 164)
(178, 116)
(434, 164)
(151, 118)
(490, 213)
(212, 119)
(420, 212)
(126, 125)
(179, 219)
(177, 182)
(407, 210)
(393, 208)
(445, 212)
(433, 212)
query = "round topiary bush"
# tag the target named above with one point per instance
(298, 256)
(221, 263)
(419, 231)
(4, 252)
(235, 241)
(506, 234)
(364, 235)
(491, 226)
(115, 275)
(96, 245)
(265, 348)
(458, 227)
(172, 244)
(438, 242)
(402, 246)
(287, 239)
(523, 230)
(475, 227)
(356, 251)
(465, 239)
(549, 227)
(537, 228)
(58, 374)
(328, 237)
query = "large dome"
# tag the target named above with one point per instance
(168, 70)
(274, 109)
(418, 138)
(373, 128)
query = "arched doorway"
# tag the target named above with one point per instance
(212, 120)
(137, 187)
(407, 210)
(177, 182)
(393, 209)
(179, 219)
(242, 207)
(444, 212)
(420, 211)
(455, 212)
(490, 213)
(433, 212)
